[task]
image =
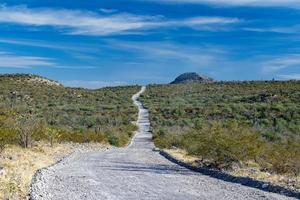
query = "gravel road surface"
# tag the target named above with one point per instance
(133, 173)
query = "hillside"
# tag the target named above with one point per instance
(42, 121)
(105, 114)
(225, 123)
(29, 78)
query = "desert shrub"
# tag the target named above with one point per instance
(67, 136)
(7, 137)
(224, 144)
(167, 138)
(96, 137)
(70, 110)
(80, 137)
(7, 134)
(118, 139)
(226, 122)
(120, 136)
(25, 128)
(282, 157)
(159, 139)
(40, 132)
(113, 140)
(53, 135)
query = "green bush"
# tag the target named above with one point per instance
(228, 122)
(224, 144)
(7, 137)
(114, 140)
(80, 115)
(282, 157)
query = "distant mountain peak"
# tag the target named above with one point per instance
(192, 77)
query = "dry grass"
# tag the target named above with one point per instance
(249, 169)
(183, 156)
(20, 165)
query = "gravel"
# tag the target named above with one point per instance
(133, 173)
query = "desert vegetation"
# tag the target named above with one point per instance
(41, 121)
(225, 123)
(33, 109)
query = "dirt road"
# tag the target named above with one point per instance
(133, 173)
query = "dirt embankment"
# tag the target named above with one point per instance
(18, 165)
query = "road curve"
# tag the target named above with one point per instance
(133, 173)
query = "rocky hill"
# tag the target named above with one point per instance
(192, 77)
(28, 79)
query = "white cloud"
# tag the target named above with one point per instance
(290, 77)
(280, 63)
(79, 22)
(108, 11)
(259, 3)
(285, 30)
(91, 84)
(50, 45)
(195, 21)
(15, 61)
(164, 52)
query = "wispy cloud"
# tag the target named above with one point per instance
(280, 63)
(80, 22)
(290, 77)
(15, 61)
(202, 55)
(206, 58)
(108, 11)
(284, 30)
(49, 45)
(259, 3)
(91, 84)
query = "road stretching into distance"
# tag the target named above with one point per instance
(133, 173)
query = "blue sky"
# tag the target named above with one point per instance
(117, 42)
